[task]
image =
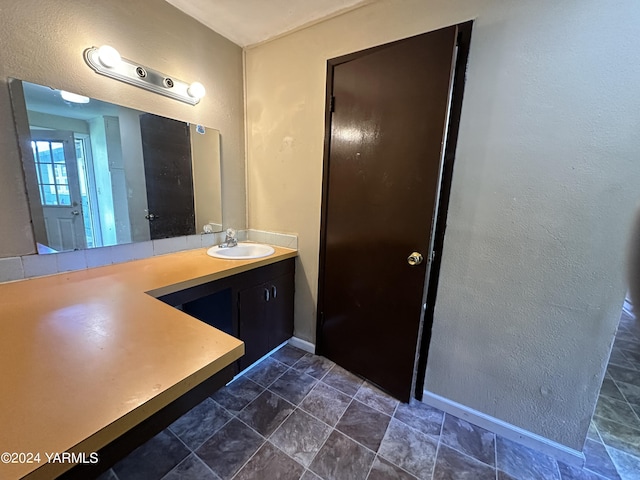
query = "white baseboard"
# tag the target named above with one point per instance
(504, 429)
(302, 344)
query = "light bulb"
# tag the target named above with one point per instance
(196, 90)
(73, 97)
(109, 56)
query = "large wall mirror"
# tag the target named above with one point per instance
(100, 174)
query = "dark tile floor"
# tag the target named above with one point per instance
(300, 416)
(614, 436)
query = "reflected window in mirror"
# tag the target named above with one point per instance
(99, 174)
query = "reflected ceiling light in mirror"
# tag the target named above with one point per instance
(73, 97)
(107, 61)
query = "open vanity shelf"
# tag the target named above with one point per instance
(255, 306)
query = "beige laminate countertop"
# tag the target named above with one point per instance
(87, 355)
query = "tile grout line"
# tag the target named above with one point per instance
(250, 458)
(631, 360)
(214, 432)
(373, 407)
(469, 456)
(185, 459)
(615, 382)
(265, 440)
(599, 436)
(325, 440)
(386, 430)
(495, 453)
(607, 447)
(296, 407)
(186, 446)
(216, 476)
(334, 428)
(189, 449)
(278, 377)
(619, 424)
(375, 455)
(615, 464)
(435, 460)
(278, 447)
(555, 462)
(236, 417)
(430, 435)
(379, 455)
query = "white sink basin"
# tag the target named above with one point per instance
(243, 251)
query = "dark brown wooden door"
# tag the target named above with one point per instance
(380, 191)
(166, 147)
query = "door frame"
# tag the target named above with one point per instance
(446, 174)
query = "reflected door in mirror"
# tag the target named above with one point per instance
(59, 189)
(166, 146)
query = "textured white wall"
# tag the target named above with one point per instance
(42, 42)
(544, 184)
(545, 181)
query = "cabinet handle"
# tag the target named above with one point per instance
(266, 294)
(274, 291)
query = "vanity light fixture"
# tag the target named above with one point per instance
(107, 61)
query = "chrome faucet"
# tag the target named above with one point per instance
(230, 239)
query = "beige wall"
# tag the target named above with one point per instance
(42, 42)
(545, 180)
(205, 149)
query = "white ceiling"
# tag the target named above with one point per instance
(246, 22)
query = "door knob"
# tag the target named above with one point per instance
(415, 259)
(151, 217)
(75, 212)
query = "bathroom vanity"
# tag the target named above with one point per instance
(99, 360)
(255, 306)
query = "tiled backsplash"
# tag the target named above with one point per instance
(18, 268)
(279, 239)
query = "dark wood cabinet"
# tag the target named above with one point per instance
(265, 317)
(255, 306)
(281, 308)
(252, 323)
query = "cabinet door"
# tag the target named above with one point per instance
(281, 310)
(252, 323)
